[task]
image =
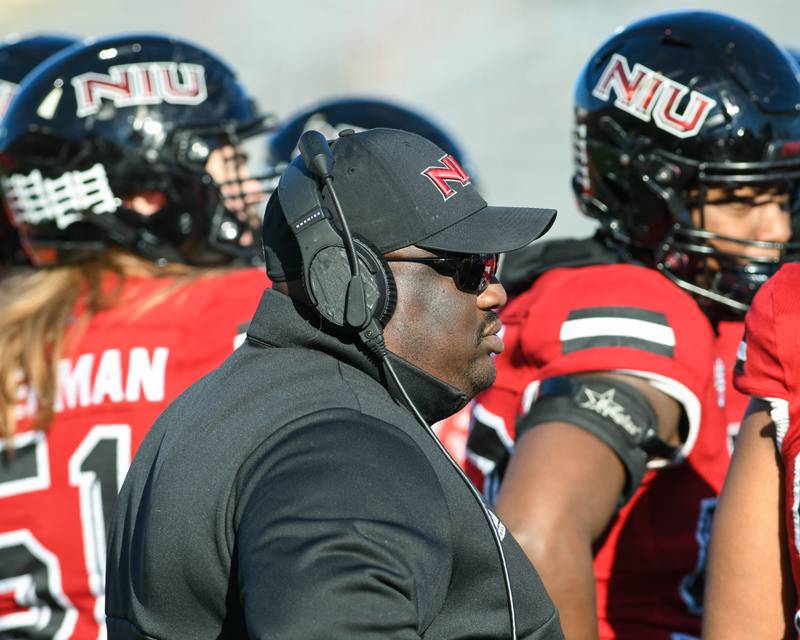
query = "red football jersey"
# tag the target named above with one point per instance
(114, 378)
(649, 564)
(768, 368)
(453, 432)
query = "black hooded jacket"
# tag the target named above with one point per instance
(288, 495)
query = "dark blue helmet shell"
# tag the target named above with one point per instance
(19, 55)
(333, 115)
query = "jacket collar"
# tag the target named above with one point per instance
(280, 321)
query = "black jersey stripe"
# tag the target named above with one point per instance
(25, 466)
(485, 442)
(580, 344)
(634, 313)
(618, 326)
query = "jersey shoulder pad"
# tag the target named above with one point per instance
(520, 268)
(210, 310)
(229, 301)
(614, 317)
(238, 287)
(770, 354)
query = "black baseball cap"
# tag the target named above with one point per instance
(398, 189)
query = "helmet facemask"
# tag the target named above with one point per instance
(222, 170)
(703, 256)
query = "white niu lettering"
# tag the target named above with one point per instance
(648, 95)
(82, 383)
(144, 83)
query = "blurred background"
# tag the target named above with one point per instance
(497, 75)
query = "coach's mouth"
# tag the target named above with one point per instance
(490, 336)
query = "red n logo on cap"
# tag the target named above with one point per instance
(450, 171)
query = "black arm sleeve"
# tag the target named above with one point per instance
(613, 411)
(343, 532)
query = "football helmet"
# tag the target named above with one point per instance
(665, 110)
(137, 141)
(18, 57)
(334, 115)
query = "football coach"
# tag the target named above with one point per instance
(297, 491)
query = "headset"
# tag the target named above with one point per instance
(350, 284)
(347, 281)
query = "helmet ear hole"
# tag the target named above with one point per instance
(616, 194)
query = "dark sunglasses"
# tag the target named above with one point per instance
(472, 273)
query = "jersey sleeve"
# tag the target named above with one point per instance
(624, 319)
(617, 318)
(336, 539)
(226, 304)
(758, 370)
(769, 356)
(611, 318)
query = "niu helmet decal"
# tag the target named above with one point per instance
(650, 96)
(130, 85)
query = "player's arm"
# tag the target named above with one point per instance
(749, 591)
(343, 534)
(569, 468)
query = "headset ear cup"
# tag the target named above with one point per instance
(328, 277)
(390, 299)
(381, 290)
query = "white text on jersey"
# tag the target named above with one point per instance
(94, 379)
